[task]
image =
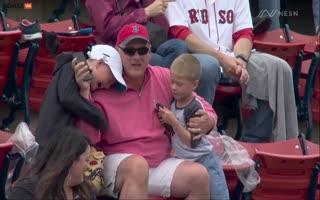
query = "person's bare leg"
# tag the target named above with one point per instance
(190, 181)
(132, 178)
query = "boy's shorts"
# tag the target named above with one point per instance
(160, 178)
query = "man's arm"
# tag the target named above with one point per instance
(242, 51)
(243, 47)
(169, 117)
(196, 45)
(242, 35)
(180, 28)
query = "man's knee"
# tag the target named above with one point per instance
(199, 175)
(193, 174)
(173, 46)
(134, 168)
(179, 43)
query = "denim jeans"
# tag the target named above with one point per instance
(167, 52)
(218, 184)
(210, 76)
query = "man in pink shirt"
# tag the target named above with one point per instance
(138, 160)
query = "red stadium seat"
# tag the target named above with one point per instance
(285, 172)
(8, 54)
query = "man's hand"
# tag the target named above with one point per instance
(167, 116)
(201, 124)
(234, 68)
(81, 70)
(244, 78)
(158, 7)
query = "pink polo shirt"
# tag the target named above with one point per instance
(133, 123)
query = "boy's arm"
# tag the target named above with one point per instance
(206, 120)
(75, 104)
(184, 134)
(189, 112)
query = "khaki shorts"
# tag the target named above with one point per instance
(160, 178)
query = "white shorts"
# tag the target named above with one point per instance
(160, 178)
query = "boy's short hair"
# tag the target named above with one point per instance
(188, 66)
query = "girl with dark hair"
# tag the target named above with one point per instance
(57, 172)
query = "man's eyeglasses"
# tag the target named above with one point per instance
(130, 51)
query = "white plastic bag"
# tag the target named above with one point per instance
(233, 153)
(24, 142)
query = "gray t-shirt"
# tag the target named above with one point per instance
(181, 149)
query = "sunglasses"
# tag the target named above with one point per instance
(130, 51)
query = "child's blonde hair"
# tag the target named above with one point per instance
(187, 66)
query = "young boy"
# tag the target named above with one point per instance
(185, 75)
(62, 103)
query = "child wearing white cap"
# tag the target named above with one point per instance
(63, 103)
(104, 63)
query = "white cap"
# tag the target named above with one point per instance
(111, 57)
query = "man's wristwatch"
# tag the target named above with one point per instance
(242, 57)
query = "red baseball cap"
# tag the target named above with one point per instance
(130, 32)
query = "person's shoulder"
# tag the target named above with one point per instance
(158, 71)
(102, 95)
(196, 103)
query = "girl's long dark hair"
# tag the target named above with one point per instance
(53, 163)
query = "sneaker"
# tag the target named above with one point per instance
(30, 30)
